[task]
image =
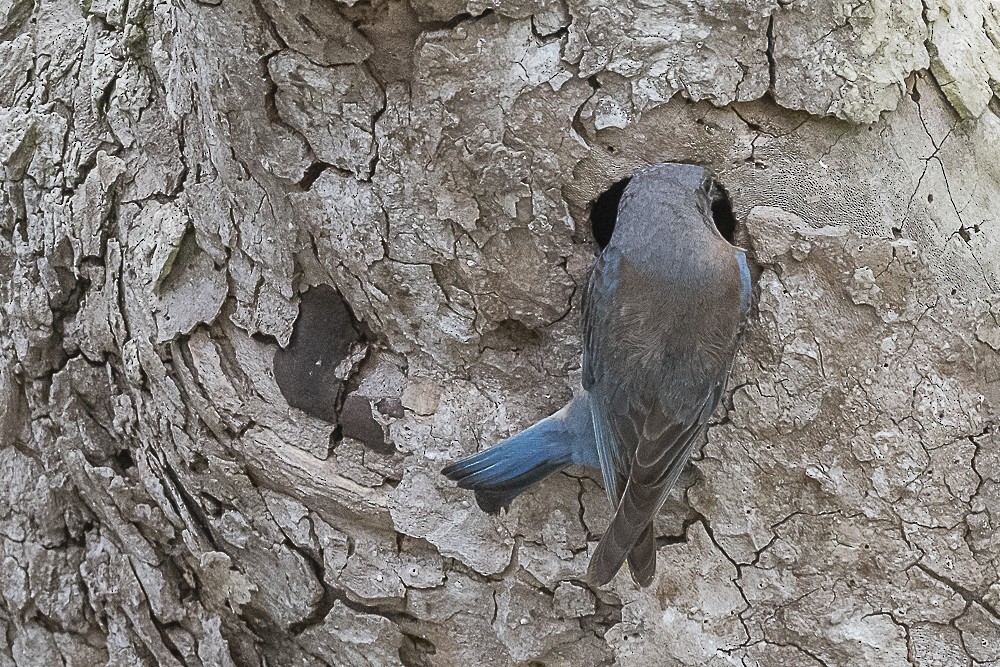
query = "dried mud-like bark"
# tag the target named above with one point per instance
(178, 179)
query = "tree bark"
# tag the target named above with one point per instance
(268, 265)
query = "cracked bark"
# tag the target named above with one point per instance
(177, 178)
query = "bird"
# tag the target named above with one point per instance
(665, 306)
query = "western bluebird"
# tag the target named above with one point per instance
(665, 305)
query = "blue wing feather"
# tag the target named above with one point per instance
(601, 284)
(746, 286)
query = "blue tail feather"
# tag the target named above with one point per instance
(504, 471)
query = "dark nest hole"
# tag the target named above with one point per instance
(604, 212)
(722, 212)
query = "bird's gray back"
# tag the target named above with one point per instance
(663, 298)
(662, 314)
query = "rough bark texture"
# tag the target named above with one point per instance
(187, 476)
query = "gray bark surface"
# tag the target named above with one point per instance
(177, 176)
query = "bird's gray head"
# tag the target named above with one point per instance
(677, 197)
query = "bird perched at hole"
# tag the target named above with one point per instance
(665, 305)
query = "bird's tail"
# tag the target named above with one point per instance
(504, 471)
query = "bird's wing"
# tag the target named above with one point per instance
(746, 284)
(665, 441)
(597, 305)
(642, 557)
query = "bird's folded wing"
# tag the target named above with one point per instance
(665, 442)
(649, 481)
(597, 306)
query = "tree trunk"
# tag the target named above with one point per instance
(267, 266)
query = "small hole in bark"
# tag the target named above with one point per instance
(312, 173)
(198, 463)
(511, 335)
(930, 198)
(604, 212)
(322, 336)
(124, 459)
(336, 435)
(722, 213)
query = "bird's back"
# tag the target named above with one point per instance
(662, 315)
(664, 296)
